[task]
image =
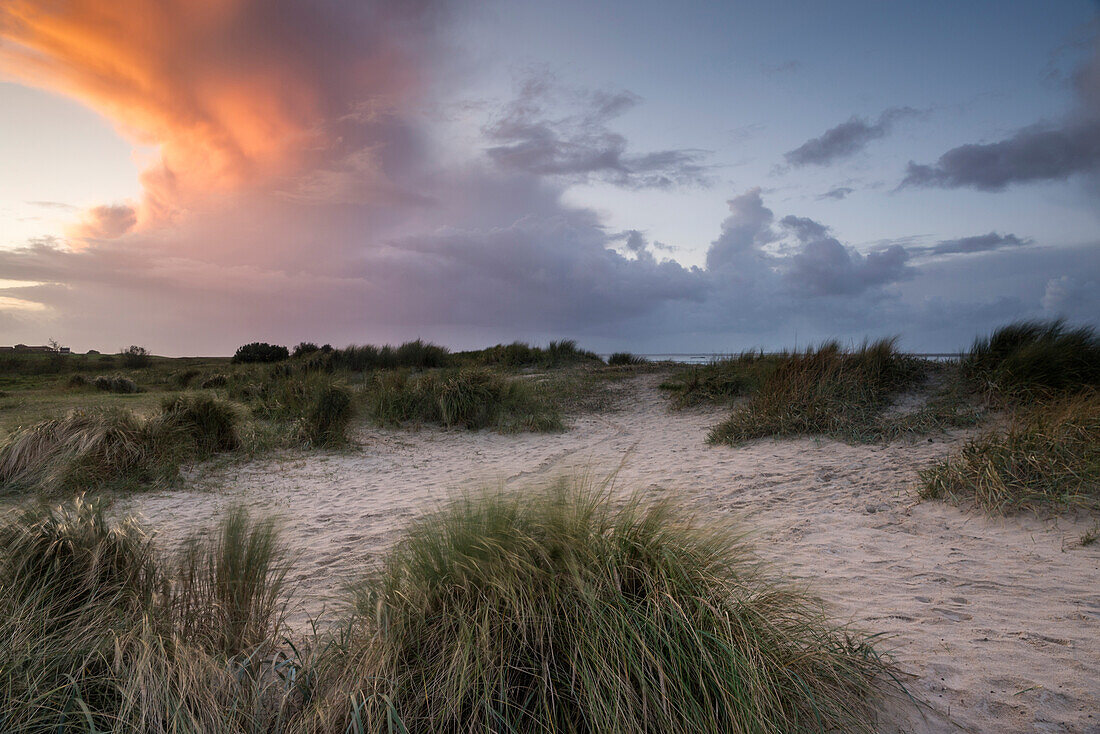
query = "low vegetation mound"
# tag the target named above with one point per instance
(466, 398)
(1047, 457)
(566, 611)
(260, 352)
(417, 354)
(721, 381)
(1030, 359)
(210, 423)
(103, 634)
(823, 391)
(116, 384)
(562, 353)
(326, 419)
(625, 359)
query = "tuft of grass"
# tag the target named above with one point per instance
(1034, 359)
(101, 633)
(566, 611)
(214, 381)
(823, 391)
(561, 353)
(625, 359)
(327, 417)
(465, 398)
(210, 423)
(1047, 457)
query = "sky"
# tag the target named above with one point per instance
(191, 175)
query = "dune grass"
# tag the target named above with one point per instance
(1028, 360)
(625, 359)
(518, 355)
(823, 390)
(564, 611)
(721, 381)
(1048, 457)
(465, 398)
(103, 634)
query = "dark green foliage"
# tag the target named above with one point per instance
(135, 357)
(623, 359)
(564, 611)
(214, 381)
(304, 349)
(209, 422)
(416, 354)
(466, 398)
(823, 391)
(326, 418)
(1034, 358)
(721, 381)
(184, 378)
(260, 352)
(118, 384)
(562, 353)
(79, 381)
(1047, 456)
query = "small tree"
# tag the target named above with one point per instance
(260, 352)
(134, 356)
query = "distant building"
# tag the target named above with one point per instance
(24, 349)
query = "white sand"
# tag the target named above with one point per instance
(998, 619)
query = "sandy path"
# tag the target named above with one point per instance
(998, 619)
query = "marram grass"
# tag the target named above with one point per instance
(566, 611)
(1048, 456)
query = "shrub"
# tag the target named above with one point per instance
(566, 611)
(118, 384)
(102, 634)
(326, 418)
(184, 378)
(1048, 456)
(260, 352)
(621, 359)
(210, 423)
(1034, 358)
(134, 357)
(303, 349)
(467, 398)
(79, 381)
(823, 390)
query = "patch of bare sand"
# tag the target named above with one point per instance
(998, 619)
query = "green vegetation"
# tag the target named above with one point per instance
(1028, 360)
(721, 381)
(566, 611)
(260, 352)
(625, 359)
(549, 611)
(1047, 457)
(467, 398)
(822, 391)
(563, 353)
(416, 354)
(326, 419)
(135, 357)
(101, 633)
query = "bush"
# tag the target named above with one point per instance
(210, 423)
(214, 381)
(1048, 456)
(622, 359)
(417, 354)
(562, 353)
(466, 398)
(1034, 358)
(326, 418)
(304, 349)
(565, 611)
(823, 390)
(79, 381)
(260, 352)
(103, 634)
(135, 357)
(118, 384)
(183, 378)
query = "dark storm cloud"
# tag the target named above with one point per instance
(536, 134)
(1040, 152)
(977, 243)
(846, 139)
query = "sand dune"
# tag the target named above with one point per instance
(997, 619)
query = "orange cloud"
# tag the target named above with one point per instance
(234, 93)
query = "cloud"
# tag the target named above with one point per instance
(53, 205)
(840, 192)
(977, 243)
(846, 139)
(1040, 152)
(536, 135)
(823, 266)
(105, 222)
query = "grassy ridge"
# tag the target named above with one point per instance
(558, 610)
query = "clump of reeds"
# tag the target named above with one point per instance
(101, 633)
(210, 423)
(1030, 359)
(183, 378)
(465, 398)
(1048, 456)
(565, 611)
(823, 391)
(214, 381)
(326, 419)
(417, 354)
(560, 353)
(625, 359)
